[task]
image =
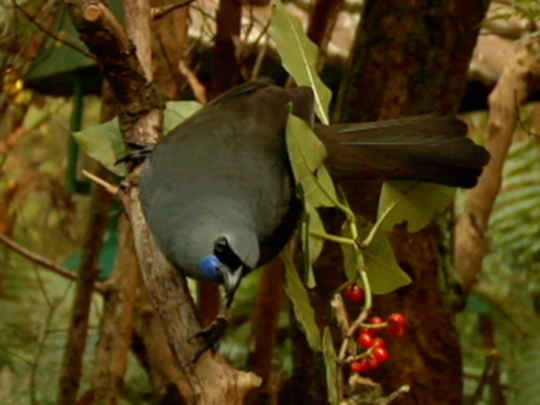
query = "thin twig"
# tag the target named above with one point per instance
(110, 188)
(196, 86)
(42, 261)
(158, 12)
(400, 391)
(50, 34)
(36, 258)
(259, 60)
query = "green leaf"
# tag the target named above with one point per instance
(418, 203)
(302, 307)
(326, 183)
(103, 143)
(315, 244)
(329, 354)
(177, 111)
(299, 56)
(306, 154)
(383, 271)
(57, 58)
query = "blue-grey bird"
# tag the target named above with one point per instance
(218, 191)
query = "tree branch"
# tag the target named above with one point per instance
(42, 261)
(520, 77)
(211, 380)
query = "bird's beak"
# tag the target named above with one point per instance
(231, 281)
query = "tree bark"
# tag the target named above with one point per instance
(210, 379)
(225, 68)
(78, 330)
(117, 323)
(421, 69)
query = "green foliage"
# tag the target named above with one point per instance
(306, 153)
(331, 368)
(178, 111)
(510, 278)
(300, 299)
(515, 222)
(527, 9)
(415, 202)
(56, 58)
(299, 56)
(525, 373)
(104, 142)
(381, 266)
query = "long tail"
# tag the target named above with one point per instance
(427, 148)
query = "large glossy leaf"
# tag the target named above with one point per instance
(298, 295)
(329, 354)
(312, 223)
(104, 142)
(306, 154)
(383, 271)
(178, 111)
(299, 56)
(417, 203)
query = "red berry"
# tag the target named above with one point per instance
(397, 331)
(397, 325)
(365, 340)
(359, 366)
(381, 354)
(376, 320)
(372, 363)
(355, 293)
(397, 319)
(379, 342)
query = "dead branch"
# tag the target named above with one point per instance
(519, 78)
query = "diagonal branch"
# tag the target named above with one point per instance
(210, 380)
(42, 261)
(520, 77)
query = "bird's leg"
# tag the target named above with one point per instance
(212, 334)
(139, 151)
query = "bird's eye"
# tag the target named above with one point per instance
(210, 267)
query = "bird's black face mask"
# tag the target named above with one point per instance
(224, 267)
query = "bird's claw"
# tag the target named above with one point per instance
(210, 336)
(139, 151)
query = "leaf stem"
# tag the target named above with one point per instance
(333, 238)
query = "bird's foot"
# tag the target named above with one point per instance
(210, 336)
(139, 151)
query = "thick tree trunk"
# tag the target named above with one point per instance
(411, 57)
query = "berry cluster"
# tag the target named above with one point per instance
(376, 352)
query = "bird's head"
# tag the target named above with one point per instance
(227, 265)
